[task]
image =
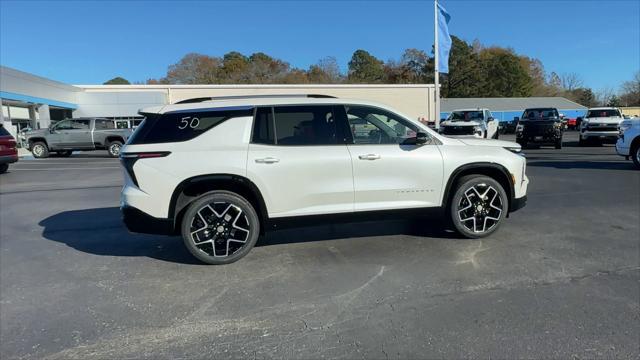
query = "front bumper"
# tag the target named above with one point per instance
(8, 159)
(609, 135)
(138, 221)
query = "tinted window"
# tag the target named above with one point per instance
(183, 125)
(104, 124)
(603, 113)
(80, 124)
(263, 127)
(376, 126)
(64, 125)
(305, 125)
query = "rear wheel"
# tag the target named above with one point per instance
(40, 150)
(114, 148)
(4, 168)
(558, 144)
(478, 206)
(220, 227)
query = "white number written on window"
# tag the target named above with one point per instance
(188, 121)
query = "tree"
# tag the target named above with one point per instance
(583, 96)
(117, 81)
(326, 71)
(464, 78)
(631, 91)
(365, 68)
(193, 68)
(571, 81)
(614, 101)
(505, 76)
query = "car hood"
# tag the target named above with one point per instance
(36, 132)
(489, 142)
(605, 120)
(459, 123)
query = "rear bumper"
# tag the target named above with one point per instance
(8, 159)
(517, 204)
(140, 222)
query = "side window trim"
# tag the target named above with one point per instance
(405, 122)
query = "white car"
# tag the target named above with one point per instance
(479, 123)
(600, 124)
(628, 144)
(222, 172)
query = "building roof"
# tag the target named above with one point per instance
(509, 104)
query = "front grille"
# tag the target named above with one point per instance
(602, 127)
(457, 130)
(538, 130)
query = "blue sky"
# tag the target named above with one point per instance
(89, 42)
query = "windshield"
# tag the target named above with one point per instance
(533, 114)
(466, 115)
(603, 113)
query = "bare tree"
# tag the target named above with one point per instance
(631, 91)
(571, 81)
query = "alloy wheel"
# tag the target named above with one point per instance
(480, 209)
(114, 149)
(38, 150)
(638, 154)
(220, 229)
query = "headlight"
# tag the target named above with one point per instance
(477, 129)
(584, 123)
(515, 149)
(520, 127)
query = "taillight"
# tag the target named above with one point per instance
(128, 159)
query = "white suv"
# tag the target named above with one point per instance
(470, 122)
(221, 172)
(628, 144)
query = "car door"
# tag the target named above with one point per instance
(79, 135)
(388, 171)
(55, 138)
(299, 161)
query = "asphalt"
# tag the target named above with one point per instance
(560, 279)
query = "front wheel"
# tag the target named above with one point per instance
(4, 168)
(114, 148)
(478, 206)
(40, 150)
(558, 144)
(220, 227)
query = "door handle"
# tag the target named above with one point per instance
(369, 157)
(267, 160)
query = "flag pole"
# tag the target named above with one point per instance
(436, 74)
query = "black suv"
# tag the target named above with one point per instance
(540, 126)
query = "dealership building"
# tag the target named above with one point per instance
(31, 101)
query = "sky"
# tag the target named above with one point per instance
(89, 42)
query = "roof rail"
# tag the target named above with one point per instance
(234, 97)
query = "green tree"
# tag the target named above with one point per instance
(583, 96)
(614, 101)
(365, 68)
(504, 74)
(464, 78)
(117, 81)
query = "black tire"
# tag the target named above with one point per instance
(558, 144)
(216, 218)
(497, 135)
(65, 153)
(39, 150)
(495, 205)
(4, 168)
(582, 142)
(113, 148)
(635, 154)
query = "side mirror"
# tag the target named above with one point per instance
(420, 139)
(516, 118)
(490, 118)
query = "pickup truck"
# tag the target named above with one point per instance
(600, 125)
(77, 134)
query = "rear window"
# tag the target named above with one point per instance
(179, 126)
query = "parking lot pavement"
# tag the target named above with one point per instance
(560, 279)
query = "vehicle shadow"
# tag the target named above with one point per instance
(100, 231)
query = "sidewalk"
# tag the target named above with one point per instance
(22, 152)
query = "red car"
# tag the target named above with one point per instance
(572, 123)
(8, 151)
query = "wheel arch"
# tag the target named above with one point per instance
(112, 138)
(33, 140)
(190, 189)
(493, 170)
